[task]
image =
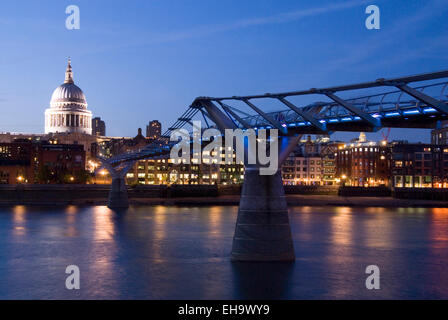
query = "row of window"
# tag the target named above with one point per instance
(413, 181)
(298, 176)
(425, 164)
(304, 169)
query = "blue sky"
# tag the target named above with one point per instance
(142, 60)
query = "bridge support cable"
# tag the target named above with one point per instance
(238, 111)
(181, 121)
(430, 101)
(365, 85)
(233, 114)
(266, 117)
(235, 122)
(222, 121)
(204, 116)
(374, 122)
(305, 115)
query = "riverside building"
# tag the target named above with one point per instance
(30, 162)
(419, 165)
(164, 171)
(363, 164)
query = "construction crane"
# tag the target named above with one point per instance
(386, 136)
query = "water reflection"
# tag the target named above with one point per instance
(19, 220)
(19, 214)
(341, 226)
(159, 230)
(418, 212)
(378, 229)
(438, 231)
(215, 222)
(263, 280)
(70, 219)
(104, 227)
(101, 254)
(340, 251)
(183, 253)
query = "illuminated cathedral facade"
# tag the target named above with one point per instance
(68, 108)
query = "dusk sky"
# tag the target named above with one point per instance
(143, 60)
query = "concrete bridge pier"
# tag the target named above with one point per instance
(262, 230)
(118, 195)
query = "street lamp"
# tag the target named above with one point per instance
(343, 177)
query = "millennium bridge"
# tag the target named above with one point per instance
(262, 230)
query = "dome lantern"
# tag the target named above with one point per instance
(69, 72)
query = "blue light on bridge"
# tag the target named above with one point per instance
(411, 112)
(392, 114)
(429, 110)
(333, 120)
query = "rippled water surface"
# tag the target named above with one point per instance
(183, 253)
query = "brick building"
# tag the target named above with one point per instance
(311, 163)
(299, 169)
(419, 166)
(363, 164)
(18, 162)
(26, 161)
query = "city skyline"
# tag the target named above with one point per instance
(150, 66)
(209, 152)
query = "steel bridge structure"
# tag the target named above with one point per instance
(262, 231)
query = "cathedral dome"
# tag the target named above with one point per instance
(68, 108)
(68, 94)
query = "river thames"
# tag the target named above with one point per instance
(183, 253)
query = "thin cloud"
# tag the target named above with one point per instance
(207, 30)
(252, 22)
(366, 50)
